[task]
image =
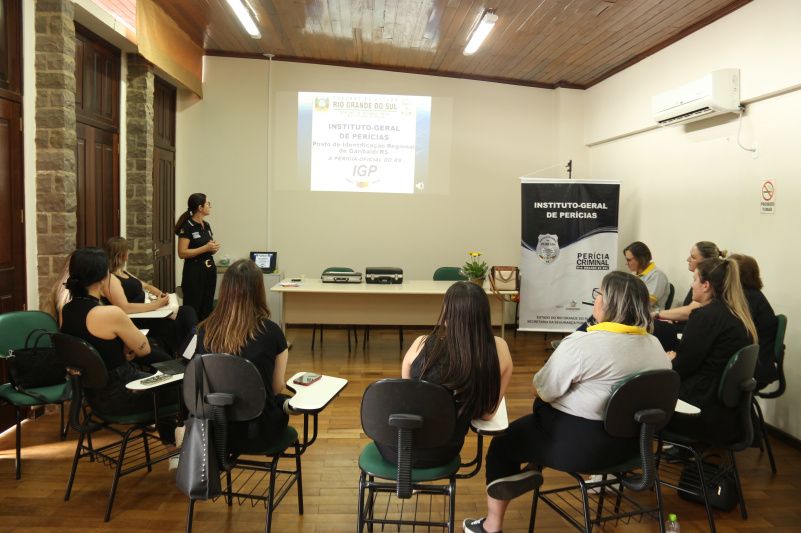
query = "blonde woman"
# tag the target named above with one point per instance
(719, 327)
(240, 325)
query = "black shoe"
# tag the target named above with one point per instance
(475, 525)
(510, 487)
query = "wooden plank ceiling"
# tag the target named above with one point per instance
(543, 43)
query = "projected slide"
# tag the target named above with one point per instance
(365, 142)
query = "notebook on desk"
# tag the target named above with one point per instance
(178, 366)
(266, 261)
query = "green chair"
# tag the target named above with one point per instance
(671, 294)
(640, 405)
(350, 329)
(409, 414)
(87, 371)
(235, 392)
(778, 353)
(735, 391)
(14, 330)
(449, 274)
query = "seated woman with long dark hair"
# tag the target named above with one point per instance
(127, 292)
(464, 356)
(241, 325)
(719, 327)
(114, 336)
(764, 319)
(566, 429)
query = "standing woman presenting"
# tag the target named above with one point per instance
(196, 246)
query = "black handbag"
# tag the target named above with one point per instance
(35, 366)
(198, 475)
(720, 486)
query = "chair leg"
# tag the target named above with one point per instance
(18, 439)
(189, 514)
(271, 495)
(586, 503)
(299, 478)
(452, 510)
(601, 498)
(147, 451)
(348, 329)
(660, 504)
(360, 511)
(743, 510)
(229, 498)
(314, 335)
(764, 435)
(74, 465)
(64, 427)
(400, 336)
(117, 470)
(699, 466)
(533, 516)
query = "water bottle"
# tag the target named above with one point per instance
(672, 524)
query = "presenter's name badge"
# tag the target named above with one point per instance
(548, 248)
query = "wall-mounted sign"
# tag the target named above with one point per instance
(767, 196)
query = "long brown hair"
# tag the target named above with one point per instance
(116, 249)
(462, 348)
(240, 312)
(723, 276)
(749, 271)
(195, 200)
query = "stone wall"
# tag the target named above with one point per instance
(56, 199)
(139, 165)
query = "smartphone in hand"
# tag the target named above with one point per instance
(307, 378)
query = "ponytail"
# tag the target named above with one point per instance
(723, 276)
(193, 203)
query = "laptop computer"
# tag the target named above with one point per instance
(178, 366)
(266, 261)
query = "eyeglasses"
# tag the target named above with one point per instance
(596, 292)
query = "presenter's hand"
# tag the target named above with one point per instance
(213, 246)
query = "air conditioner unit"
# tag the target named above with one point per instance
(716, 93)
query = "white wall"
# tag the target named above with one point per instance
(686, 183)
(499, 133)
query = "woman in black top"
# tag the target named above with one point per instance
(764, 319)
(116, 338)
(127, 292)
(719, 327)
(462, 355)
(196, 246)
(241, 325)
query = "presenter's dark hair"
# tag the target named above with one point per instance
(461, 350)
(192, 204)
(749, 271)
(87, 266)
(240, 312)
(723, 276)
(625, 300)
(640, 252)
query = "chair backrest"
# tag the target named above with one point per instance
(640, 405)
(449, 274)
(228, 374)
(17, 325)
(737, 380)
(671, 294)
(388, 397)
(648, 390)
(81, 356)
(778, 356)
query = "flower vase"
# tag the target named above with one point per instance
(478, 281)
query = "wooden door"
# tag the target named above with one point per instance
(164, 186)
(12, 228)
(97, 185)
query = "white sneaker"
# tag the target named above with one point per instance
(173, 462)
(179, 436)
(594, 479)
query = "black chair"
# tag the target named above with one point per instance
(15, 327)
(409, 414)
(236, 392)
(316, 327)
(778, 353)
(88, 371)
(734, 391)
(640, 405)
(671, 294)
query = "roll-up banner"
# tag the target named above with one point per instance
(568, 244)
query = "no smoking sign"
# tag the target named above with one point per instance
(767, 196)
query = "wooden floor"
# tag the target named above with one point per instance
(330, 472)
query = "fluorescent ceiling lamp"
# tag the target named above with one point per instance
(485, 25)
(243, 14)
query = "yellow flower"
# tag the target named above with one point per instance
(475, 254)
(474, 267)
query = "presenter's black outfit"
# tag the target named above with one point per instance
(711, 336)
(257, 435)
(171, 334)
(200, 273)
(114, 398)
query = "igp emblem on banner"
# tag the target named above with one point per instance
(569, 243)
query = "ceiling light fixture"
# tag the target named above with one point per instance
(245, 18)
(485, 25)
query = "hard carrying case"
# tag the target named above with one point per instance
(384, 275)
(335, 276)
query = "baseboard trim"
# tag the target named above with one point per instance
(783, 436)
